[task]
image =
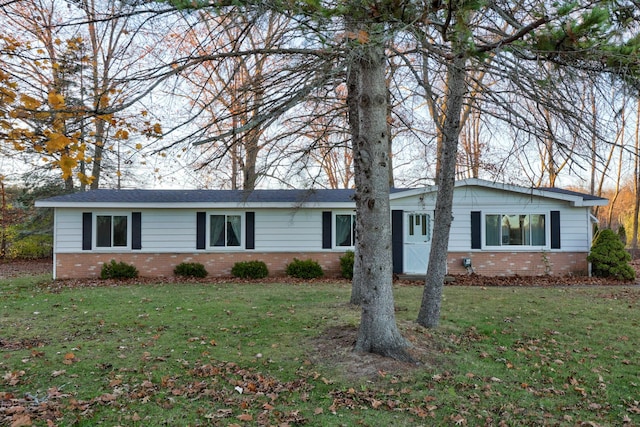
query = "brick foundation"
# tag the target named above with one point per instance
(521, 263)
(89, 265)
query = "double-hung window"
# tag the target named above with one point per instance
(112, 231)
(225, 230)
(515, 230)
(345, 230)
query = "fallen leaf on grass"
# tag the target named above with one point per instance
(245, 417)
(70, 358)
(375, 404)
(21, 420)
(13, 377)
(459, 420)
(106, 397)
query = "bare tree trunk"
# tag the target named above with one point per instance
(378, 331)
(636, 169)
(99, 91)
(594, 144)
(3, 217)
(549, 156)
(251, 157)
(620, 137)
(429, 314)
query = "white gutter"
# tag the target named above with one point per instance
(194, 205)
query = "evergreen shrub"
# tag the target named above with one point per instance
(190, 269)
(118, 270)
(304, 269)
(346, 264)
(609, 258)
(250, 270)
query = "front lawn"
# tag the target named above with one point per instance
(278, 354)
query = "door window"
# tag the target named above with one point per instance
(419, 228)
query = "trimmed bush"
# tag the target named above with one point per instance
(250, 270)
(190, 269)
(118, 270)
(609, 258)
(346, 264)
(304, 269)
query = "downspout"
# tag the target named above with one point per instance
(55, 242)
(591, 219)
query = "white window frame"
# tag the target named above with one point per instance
(243, 231)
(521, 248)
(112, 247)
(335, 230)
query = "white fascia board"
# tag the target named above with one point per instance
(599, 202)
(412, 193)
(573, 200)
(199, 205)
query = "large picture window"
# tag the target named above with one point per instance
(345, 230)
(111, 231)
(225, 230)
(515, 230)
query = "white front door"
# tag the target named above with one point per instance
(417, 241)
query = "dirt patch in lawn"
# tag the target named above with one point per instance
(335, 348)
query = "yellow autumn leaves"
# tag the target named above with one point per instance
(43, 126)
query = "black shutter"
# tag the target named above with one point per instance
(555, 229)
(476, 234)
(326, 230)
(136, 230)
(250, 222)
(86, 230)
(397, 232)
(201, 230)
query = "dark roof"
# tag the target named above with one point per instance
(290, 196)
(585, 196)
(206, 196)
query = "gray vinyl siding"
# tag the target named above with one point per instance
(68, 230)
(280, 229)
(174, 230)
(574, 221)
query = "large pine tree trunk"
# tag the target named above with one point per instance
(429, 315)
(378, 330)
(353, 116)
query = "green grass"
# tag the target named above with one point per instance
(179, 354)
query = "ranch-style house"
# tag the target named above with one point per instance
(498, 229)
